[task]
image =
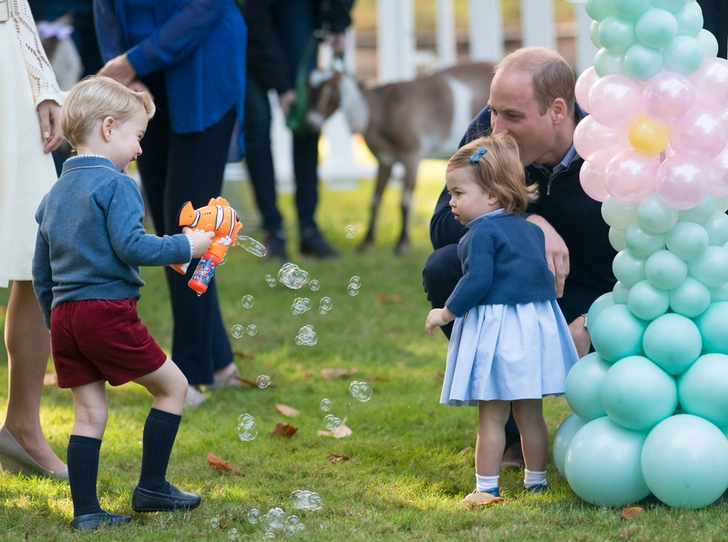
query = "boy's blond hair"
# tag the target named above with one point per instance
(96, 98)
(498, 171)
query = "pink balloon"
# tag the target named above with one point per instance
(699, 134)
(667, 96)
(590, 137)
(592, 173)
(717, 169)
(583, 85)
(711, 84)
(630, 176)
(615, 100)
(682, 183)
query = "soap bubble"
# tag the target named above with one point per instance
(325, 405)
(275, 519)
(306, 336)
(363, 393)
(224, 259)
(352, 290)
(270, 280)
(325, 305)
(214, 523)
(248, 301)
(356, 281)
(302, 499)
(293, 525)
(233, 534)
(247, 428)
(251, 245)
(263, 381)
(331, 422)
(252, 330)
(314, 285)
(292, 276)
(300, 305)
(254, 516)
(350, 231)
(237, 331)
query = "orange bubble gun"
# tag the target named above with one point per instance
(216, 216)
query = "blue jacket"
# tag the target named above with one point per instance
(200, 46)
(91, 241)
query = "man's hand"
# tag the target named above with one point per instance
(557, 255)
(48, 111)
(580, 335)
(287, 99)
(137, 85)
(438, 317)
(120, 69)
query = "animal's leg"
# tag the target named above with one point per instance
(383, 173)
(410, 177)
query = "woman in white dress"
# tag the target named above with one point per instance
(30, 103)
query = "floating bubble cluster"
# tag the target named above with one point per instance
(361, 391)
(354, 285)
(263, 381)
(277, 522)
(325, 305)
(252, 330)
(300, 305)
(303, 499)
(248, 301)
(247, 428)
(251, 245)
(233, 534)
(292, 276)
(314, 285)
(350, 231)
(331, 422)
(237, 331)
(306, 336)
(325, 405)
(270, 281)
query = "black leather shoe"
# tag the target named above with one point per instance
(144, 500)
(315, 245)
(275, 244)
(91, 522)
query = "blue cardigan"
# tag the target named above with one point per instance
(199, 44)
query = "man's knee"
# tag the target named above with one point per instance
(440, 275)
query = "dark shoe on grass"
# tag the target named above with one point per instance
(275, 244)
(91, 522)
(513, 456)
(144, 500)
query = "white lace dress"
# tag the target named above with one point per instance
(26, 172)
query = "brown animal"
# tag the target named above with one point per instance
(403, 122)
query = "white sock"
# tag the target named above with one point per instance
(534, 478)
(484, 483)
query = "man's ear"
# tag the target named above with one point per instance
(558, 110)
(107, 128)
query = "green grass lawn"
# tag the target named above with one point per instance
(410, 459)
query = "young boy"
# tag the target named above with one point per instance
(89, 247)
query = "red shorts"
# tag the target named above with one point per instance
(101, 339)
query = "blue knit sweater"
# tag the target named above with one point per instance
(91, 241)
(504, 263)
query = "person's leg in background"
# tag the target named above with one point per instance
(259, 160)
(714, 21)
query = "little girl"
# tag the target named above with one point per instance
(510, 341)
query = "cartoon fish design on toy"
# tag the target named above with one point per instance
(217, 216)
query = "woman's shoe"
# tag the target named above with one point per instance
(13, 458)
(194, 397)
(227, 376)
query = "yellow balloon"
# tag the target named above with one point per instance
(647, 136)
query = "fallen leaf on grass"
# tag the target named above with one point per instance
(439, 375)
(331, 374)
(333, 458)
(284, 429)
(385, 298)
(242, 354)
(342, 431)
(481, 499)
(49, 379)
(286, 410)
(220, 464)
(631, 512)
(379, 379)
(308, 374)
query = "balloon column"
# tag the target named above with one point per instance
(650, 405)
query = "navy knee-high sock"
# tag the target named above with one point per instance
(160, 430)
(83, 470)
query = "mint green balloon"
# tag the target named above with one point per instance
(620, 293)
(702, 388)
(708, 43)
(665, 270)
(642, 243)
(673, 342)
(603, 464)
(594, 34)
(600, 303)
(631, 9)
(617, 333)
(721, 203)
(712, 326)
(690, 299)
(669, 5)
(700, 213)
(717, 228)
(617, 34)
(616, 239)
(656, 28)
(628, 269)
(647, 302)
(599, 9)
(562, 439)
(642, 62)
(719, 294)
(687, 240)
(689, 20)
(637, 394)
(608, 63)
(683, 55)
(711, 268)
(685, 461)
(618, 214)
(584, 386)
(656, 216)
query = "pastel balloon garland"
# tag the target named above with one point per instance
(650, 405)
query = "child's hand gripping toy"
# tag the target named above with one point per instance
(216, 216)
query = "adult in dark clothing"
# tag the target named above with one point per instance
(532, 99)
(715, 20)
(280, 34)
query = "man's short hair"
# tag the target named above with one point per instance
(96, 98)
(551, 75)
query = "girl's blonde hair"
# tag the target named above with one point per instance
(498, 171)
(96, 98)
